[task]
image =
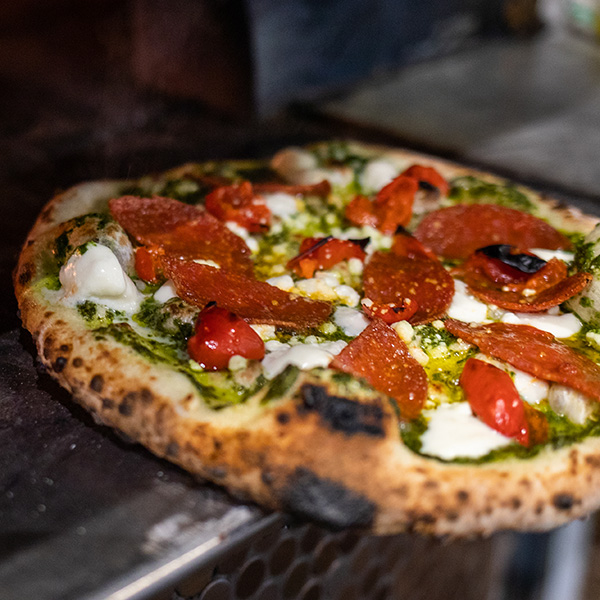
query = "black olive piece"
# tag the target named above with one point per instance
(522, 262)
(362, 242)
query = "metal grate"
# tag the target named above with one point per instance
(305, 562)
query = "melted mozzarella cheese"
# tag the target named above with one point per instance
(165, 292)
(377, 173)
(453, 432)
(465, 307)
(281, 205)
(96, 275)
(243, 233)
(547, 255)
(303, 356)
(571, 403)
(560, 326)
(351, 321)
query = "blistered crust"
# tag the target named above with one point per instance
(338, 460)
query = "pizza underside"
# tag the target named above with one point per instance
(368, 328)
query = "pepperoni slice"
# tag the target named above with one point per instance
(182, 230)
(323, 253)
(547, 288)
(255, 301)
(383, 359)
(390, 279)
(457, 231)
(533, 351)
(239, 203)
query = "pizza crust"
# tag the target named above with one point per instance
(336, 460)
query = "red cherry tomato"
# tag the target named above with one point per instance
(239, 204)
(494, 399)
(220, 334)
(323, 253)
(429, 175)
(391, 312)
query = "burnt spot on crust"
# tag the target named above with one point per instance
(46, 214)
(65, 348)
(59, 364)
(326, 501)
(515, 502)
(217, 472)
(146, 396)
(97, 383)
(26, 274)
(77, 362)
(342, 414)
(126, 406)
(108, 403)
(563, 501)
(283, 418)
(462, 496)
(172, 449)
(593, 460)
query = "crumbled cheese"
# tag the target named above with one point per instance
(404, 330)
(418, 354)
(237, 363)
(347, 295)
(266, 332)
(351, 321)
(283, 282)
(453, 432)
(593, 339)
(355, 266)
(97, 275)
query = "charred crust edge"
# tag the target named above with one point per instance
(326, 501)
(342, 414)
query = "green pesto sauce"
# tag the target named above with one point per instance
(469, 189)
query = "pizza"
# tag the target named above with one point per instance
(359, 335)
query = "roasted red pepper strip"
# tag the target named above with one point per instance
(493, 397)
(148, 263)
(255, 301)
(383, 359)
(182, 231)
(219, 335)
(394, 202)
(391, 279)
(457, 231)
(360, 211)
(239, 203)
(323, 253)
(533, 351)
(407, 245)
(428, 175)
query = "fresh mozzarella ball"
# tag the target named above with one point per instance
(570, 403)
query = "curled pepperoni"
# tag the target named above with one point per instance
(540, 291)
(171, 227)
(390, 313)
(533, 351)
(383, 359)
(255, 301)
(390, 279)
(457, 231)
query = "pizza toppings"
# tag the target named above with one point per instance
(392, 279)
(255, 301)
(323, 253)
(220, 335)
(168, 227)
(428, 176)
(493, 397)
(384, 360)
(458, 231)
(240, 204)
(533, 351)
(519, 281)
(391, 312)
